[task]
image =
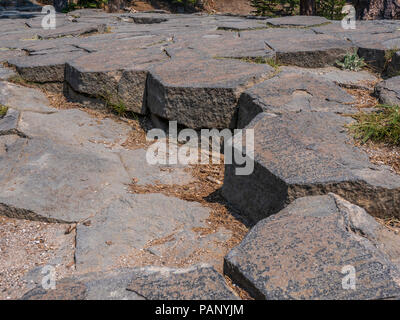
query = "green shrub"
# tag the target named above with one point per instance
(381, 125)
(3, 111)
(330, 9)
(351, 62)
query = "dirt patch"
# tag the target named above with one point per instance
(25, 245)
(241, 7)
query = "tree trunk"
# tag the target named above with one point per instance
(377, 9)
(307, 7)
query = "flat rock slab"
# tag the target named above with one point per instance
(117, 82)
(312, 51)
(347, 79)
(72, 29)
(133, 222)
(66, 170)
(299, 253)
(93, 286)
(293, 91)
(9, 122)
(24, 99)
(218, 44)
(297, 21)
(200, 282)
(44, 68)
(201, 93)
(388, 91)
(319, 157)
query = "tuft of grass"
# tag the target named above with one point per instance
(352, 62)
(3, 111)
(118, 107)
(381, 125)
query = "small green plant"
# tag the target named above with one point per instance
(381, 125)
(118, 107)
(3, 111)
(351, 62)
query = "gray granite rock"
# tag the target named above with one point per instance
(43, 68)
(67, 170)
(93, 286)
(312, 51)
(24, 98)
(131, 223)
(9, 122)
(307, 250)
(297, 21)
(308, 153)
(200, 282)
(120, 81)
(388, 91)
(201, 93)
(293, 91)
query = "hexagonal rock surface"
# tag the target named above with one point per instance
(201, 93)
(312, 51)
(293, 91)
(388, 91)
(308, 250)
(200, 282)
(297, 21)
(66, 171)
(218, 44)
(93, 286)
(116, 81)
(132, 222)
(72, 29)
(24, 98)
(308, 153)
(43, 68)
(344, 78)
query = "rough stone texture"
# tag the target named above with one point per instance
(200, 282)
(319, 157)
(93, 286)
(65, 174)
(375, 9)
(299, 253)
(219, 44)
(6, 73)
(43, 68)
(297, 21)
(344, 78)
(314, 51)
(114, 81)
(73, 29)
(132, 222)
(293, 91)
(388, 91)
(201, 93)
(9, 123)
(23, 98)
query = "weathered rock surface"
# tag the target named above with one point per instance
(201, 93)
(388, 91)
(43, 68)
(200, 282)
(299, 253)
(119, 81)
(9, 122)
(23, 98)
(318, 158)
(132, 222)
(293, 91)
(93, 286)
(297, 21)
(313, 51)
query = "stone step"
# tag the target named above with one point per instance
(312, 249)
(308, 153)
